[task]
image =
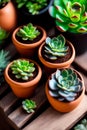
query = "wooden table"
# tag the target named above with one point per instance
(44, 117)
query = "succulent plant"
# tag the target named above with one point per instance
(3, 35)
(55, 47)
(82, 125)
(22, 69)
(4, 60)
(65, 85)
(28, 32)
(29, 105)
(70, 15)
(33, 6)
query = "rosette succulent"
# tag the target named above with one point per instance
(29, 105)
(22, 69)
(70, 15)
(28, 32)
(82, 125)
(65, 85)
(55, 47)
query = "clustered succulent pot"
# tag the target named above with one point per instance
(65, 86)
(8, 15)
(56, 52)
(25, 44)
(23, 76)
(65, 89)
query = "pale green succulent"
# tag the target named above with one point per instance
(70, 15)
(82, 125)
(65, 85)
(55, 47)
(29, 105)
(22, 69)
(33, 6)
(28, 32)
(4, 60)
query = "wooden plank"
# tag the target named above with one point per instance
(53, 120)
(8, 101)
(19, 117)
(3, 88)
(82, 61)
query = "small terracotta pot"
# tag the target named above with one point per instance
(26, 89)
(28, 50)
(51, 67)
(64, 106)
(8, 17)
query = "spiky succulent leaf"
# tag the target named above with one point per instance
(22, 69)
(28, 105)
(4, 60)
(28, 32)
(70, 15)
(55, 47)
(65, 85)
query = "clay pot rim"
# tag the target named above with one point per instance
(52, 65)
(83, 91)
(29, 45)
(23, 84)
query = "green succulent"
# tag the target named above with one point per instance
(3, 35)
(82, 125)
(4, 60)
(3, 2)
(55, 47)
(22, 69)
(70, 15)
(33, 6)
(29, 105)
(65, 85)
(28, 32)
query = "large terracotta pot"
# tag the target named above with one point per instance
(51, 67)
(28, 50)
(26, 89)
(65, 106)
(8, 17)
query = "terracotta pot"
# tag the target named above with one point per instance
(64, 106)
(8, 17)
(28, 50)
(51, 67)
(26, 89)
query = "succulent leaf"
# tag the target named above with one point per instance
(55, 47)
(28, 32)
(70, 15)
(22, 69)
(66, 84)
(29, 105)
